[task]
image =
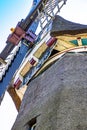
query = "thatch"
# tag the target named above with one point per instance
(61, 26)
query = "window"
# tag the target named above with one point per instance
(33, 127)
(32, 124)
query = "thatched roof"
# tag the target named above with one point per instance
(61, 26)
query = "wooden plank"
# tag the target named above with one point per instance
(68, 37)
(40, 50)
(25, 69)
(62, 45)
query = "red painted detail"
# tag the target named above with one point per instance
(51, 41)
(17, 83)
(32, 61)
(16, 36)
(78, 38)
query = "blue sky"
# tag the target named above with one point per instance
(12, 11)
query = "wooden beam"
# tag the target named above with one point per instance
(62, 45)
(17, 95)
(25, 69)
(68, 37)
(40, 50)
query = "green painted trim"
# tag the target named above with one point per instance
(84, 41)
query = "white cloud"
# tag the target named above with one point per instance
(75, 10)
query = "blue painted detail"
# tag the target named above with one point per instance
(34, 6)
(84, 41)
(35, 3)
(34, 26)
(14, 66)
(74, 42)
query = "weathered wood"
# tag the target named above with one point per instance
(17, 95)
